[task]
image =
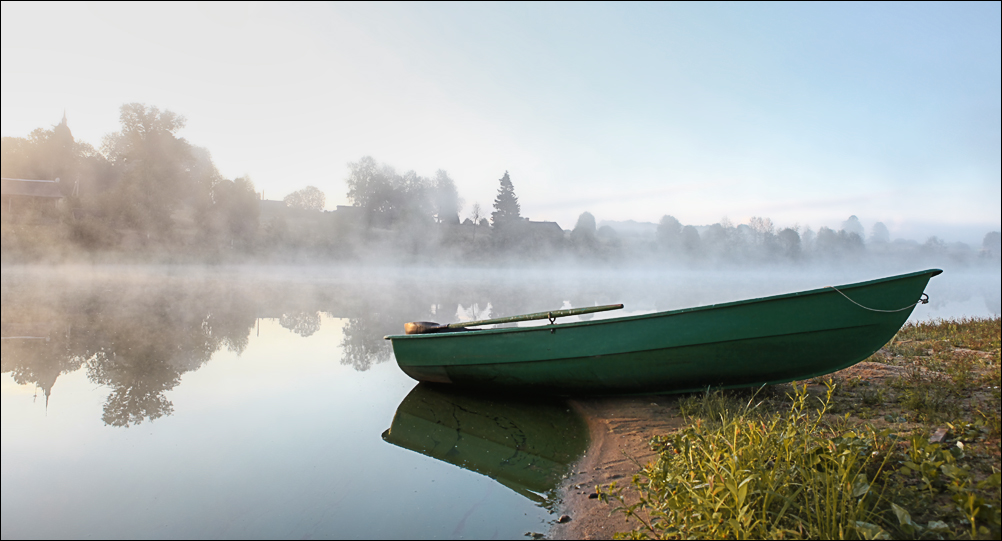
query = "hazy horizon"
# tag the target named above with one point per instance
(803, 113)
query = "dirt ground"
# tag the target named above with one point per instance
(620, 429)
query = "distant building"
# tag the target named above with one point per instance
(550, 231)
(24, 196)
(353, 216)
(356, 214)
(272, 208)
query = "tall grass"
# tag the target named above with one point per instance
(755, 476)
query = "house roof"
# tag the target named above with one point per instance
(30, 188)
(546, 225)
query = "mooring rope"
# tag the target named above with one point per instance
(922, 300)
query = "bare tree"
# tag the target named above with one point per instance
(475, 215)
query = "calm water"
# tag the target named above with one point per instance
(184, 402)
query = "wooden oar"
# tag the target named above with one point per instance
(424, 327)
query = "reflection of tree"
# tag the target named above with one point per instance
(136, 340)
(141, 348)
(138, 387)
(304, 324)
(362, 344)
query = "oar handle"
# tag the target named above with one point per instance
(538, 315)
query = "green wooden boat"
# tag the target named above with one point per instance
(746, 343)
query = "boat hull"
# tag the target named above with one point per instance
(747, 343)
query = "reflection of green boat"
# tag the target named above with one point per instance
(527, 445)
(767, 340)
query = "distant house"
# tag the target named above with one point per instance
(272, 208)
(24, 195)
(353, 216)
(13, 188)
(552, 228)
(548, 231)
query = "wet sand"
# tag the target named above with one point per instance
(620, 429)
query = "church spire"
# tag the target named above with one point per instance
(63, 134)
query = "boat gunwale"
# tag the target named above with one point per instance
(827, 289)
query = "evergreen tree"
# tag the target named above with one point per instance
(506, 207)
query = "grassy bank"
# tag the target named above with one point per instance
(904, 445)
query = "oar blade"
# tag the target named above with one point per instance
(421, 327)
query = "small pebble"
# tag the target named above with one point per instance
(564, 519)
(593, 496)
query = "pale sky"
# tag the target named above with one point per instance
(804, 113)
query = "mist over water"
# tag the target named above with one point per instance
(236, 401)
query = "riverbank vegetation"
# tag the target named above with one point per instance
(905, 445)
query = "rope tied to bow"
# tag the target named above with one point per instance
(924, 299)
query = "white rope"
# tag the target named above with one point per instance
(923, 300)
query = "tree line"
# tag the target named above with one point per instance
(148, 190)
(144, 178)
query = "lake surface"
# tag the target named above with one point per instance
(263, 402)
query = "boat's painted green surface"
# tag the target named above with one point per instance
(747, 343)
(526, 444)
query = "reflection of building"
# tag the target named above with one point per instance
(29, 357)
